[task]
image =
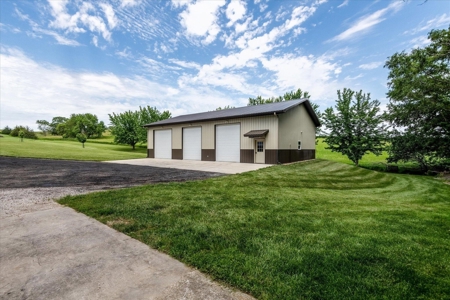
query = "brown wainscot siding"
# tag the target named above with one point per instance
(271, 156)
(150, 153)
(209, 154)
(177, 153)
(287, 156)
(247, 156)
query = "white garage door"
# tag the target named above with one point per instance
(228, 143)
(192, 143)
(163, 144)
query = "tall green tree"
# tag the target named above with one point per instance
(127, 126)
(55, 122)
(355, 126)
(419, 102)
(87, 124)
(81, 137)
(21, 135)
(44, 126)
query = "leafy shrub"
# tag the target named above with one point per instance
(28, 133)
(6, 130)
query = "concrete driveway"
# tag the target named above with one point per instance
(58, 253)
(195, 165)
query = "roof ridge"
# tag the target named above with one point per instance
(238, 112)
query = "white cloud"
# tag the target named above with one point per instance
(110, 15)
(345, 3)
(125, 3)
(225, 70)
(200, 19)
(317, 75)
(73, 23)
(371, 66)
(38, 30)
(126, 53)
(419, 42)
(10, 28)
(437, 22)
(366, 22)
(185, 64)
(263, 7)
(95, 40)
(31, 91)
(235, 11)
(241, 27)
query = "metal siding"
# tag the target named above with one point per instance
(176, 136)
(150, 139)
(296, 125)
(247, 124)
(208, 131)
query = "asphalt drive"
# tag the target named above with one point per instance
(30, 172)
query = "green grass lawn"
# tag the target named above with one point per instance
(312, 230)
(367, 159)
(58, 148)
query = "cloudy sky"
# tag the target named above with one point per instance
(62, 57)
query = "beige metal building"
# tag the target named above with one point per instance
(272, 133)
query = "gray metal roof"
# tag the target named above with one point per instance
(240, 112)
(256, 133)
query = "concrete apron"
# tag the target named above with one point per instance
(61, 254)
(208, 166)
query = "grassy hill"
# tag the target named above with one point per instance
(311, 230)
(58, 148)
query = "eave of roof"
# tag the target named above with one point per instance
(240, 112)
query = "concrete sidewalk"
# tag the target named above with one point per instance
(58, 253)
(208, 166)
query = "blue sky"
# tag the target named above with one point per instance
(63, 57)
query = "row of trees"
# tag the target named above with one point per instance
(20, 131)
(86, 124)
(126, 127)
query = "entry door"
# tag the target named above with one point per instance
(260, 154)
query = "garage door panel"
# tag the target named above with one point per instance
(228, 142)
(192, 143)
(163, 144)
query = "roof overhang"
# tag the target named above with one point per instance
(257, 133)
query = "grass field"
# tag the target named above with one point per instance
(312, 230)
(58, 148)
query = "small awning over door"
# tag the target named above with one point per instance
(257, 133)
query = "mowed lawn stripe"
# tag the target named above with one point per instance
(314, 230)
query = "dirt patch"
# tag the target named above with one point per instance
(119, 221)
(43, 173)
